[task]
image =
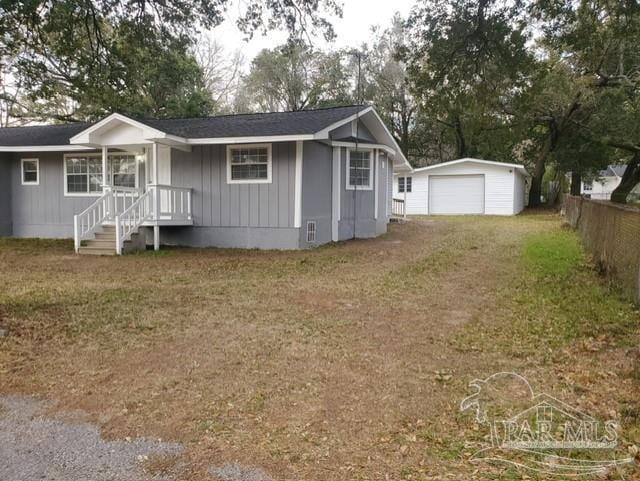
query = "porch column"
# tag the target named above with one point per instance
(405, 195)
(156, 197)
(105, 155)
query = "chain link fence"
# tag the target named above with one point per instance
(611, 234)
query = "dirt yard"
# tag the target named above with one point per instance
(347, 362)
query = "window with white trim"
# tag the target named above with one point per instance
(83, 172)
(359, 170)
(404, 183)
(248, 164)
(587, 186)
(30, 171)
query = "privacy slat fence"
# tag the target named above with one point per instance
(611, 234)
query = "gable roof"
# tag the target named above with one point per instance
(303, 122)
(519, 167)
(613, 171)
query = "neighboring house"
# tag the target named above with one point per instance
(279, 180)
(464, 186)
(605, 182)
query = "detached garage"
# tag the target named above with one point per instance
(464, 186)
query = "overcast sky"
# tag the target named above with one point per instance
(351, 30)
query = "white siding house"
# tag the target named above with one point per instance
(464, 186)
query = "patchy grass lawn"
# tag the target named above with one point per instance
(345, 362)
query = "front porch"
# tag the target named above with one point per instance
(124, 207)
(119, 213)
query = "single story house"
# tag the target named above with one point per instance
(285, 180)
(463, 186)
(604, 183)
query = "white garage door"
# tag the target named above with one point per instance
(456, 194)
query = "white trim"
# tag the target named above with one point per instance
(476, 161)
(393, 141)
(83, 137)
(376, 184)
(386, 148)
(248, 140)
(297, 206)
(37, 181)
(44, 148)
(335, 194)
(268, 180)
(324, 133)
(98, 155)
(348, 165)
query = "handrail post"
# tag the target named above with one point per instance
(156, 218)
(76, 234)
(118, 234)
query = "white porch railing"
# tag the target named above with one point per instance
(132, 218)
(128, 209)
(89, 220)
(172, 203)
(398, 208)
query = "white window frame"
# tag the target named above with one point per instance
(587, 186)
(348, 170)
(37, 181)
(268, 180)
(405, 184)
(99, 156)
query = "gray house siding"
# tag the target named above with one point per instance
(385, 177)
(235, 215)
(345, 131)
(357, 212)
(43, 210)
(316, 192)
(5, 195)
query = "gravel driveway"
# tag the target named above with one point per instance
(34, 447)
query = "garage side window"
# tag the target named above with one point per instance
(404, 184)
(30, 171)
(359, 170)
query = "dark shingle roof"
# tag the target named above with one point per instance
(40, 134)
(243, 125)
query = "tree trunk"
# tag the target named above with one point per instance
(630, 179)
(538, 173)
(460, 142)
(576, 182)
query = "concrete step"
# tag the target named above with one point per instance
(100, 242)
(97, 251)
(106, 236)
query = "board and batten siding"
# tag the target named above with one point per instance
(358, 205)
(317, 194)
(235, 215)
(5, 195)
(499, 191)
(43, 210)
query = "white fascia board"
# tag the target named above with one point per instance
(249, 140)
(393, 141)
(45, 148)
(324, 133)
(83, 137)
(363, 146)
(476, 161)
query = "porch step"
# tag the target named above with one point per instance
(97, 250)
(100, 242)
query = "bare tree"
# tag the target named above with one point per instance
(222, 71)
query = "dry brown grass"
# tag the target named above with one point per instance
(318, 365)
